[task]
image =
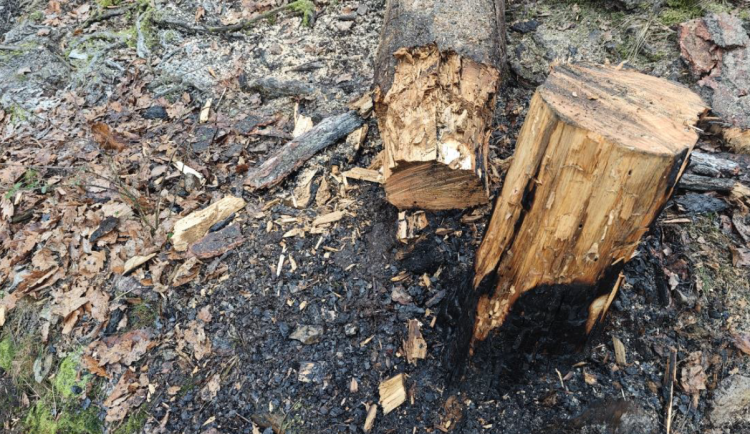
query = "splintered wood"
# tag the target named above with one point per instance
(434, 99)
(392, 393)
(193, 227)
(597, 158)
(415, 346)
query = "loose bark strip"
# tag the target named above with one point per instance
(596, 160)
(291, 156)
(437, 71)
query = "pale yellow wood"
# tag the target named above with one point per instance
(435, 123)
(392, 393)
(595, 161)
(195, 225)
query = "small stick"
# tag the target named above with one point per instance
(670, 374)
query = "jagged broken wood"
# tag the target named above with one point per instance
(292, 155)
(597, 158)
(438, 68)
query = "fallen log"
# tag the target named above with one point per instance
(292, 155)
(438, 68)
(597, 158)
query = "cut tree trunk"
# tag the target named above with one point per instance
(597, 158)
(437, 72)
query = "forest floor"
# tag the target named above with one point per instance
(119, 118)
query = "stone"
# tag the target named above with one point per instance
(351, 330)
(307, 334)
(155, 112)
(731, 401)
(527, 26)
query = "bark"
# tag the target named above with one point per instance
(291, 156)
(437, 72)
(597, 158)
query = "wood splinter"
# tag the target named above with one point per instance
(597, 158)
(436, 77)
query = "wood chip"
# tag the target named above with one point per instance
(354, 386)
(370, 419)
(186, 170)
(329, 218)
(392, 393)
(205, 111)
(619, 352)
(195, 225)
(302, 125)
(415, 346)
(363, 174)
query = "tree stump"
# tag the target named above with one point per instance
(596, 160)
(437, 71)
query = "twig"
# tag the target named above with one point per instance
(106, 14)
(670, 373)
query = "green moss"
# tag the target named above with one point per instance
(42, 419)
(304, 7)
(108, 3)
(58, 410)
(17, 114)
(142, 315)
(67, 377)
(36, 16)
(7, 353)
(134, 424)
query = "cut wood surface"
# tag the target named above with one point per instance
(392, 393)
(437, 71)
(195, 225)
(597, 158)
(292, 155)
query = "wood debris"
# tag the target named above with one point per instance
(328, 218)
(410, 224)
(392, 393)
(619, 352)
(363, 174)
(415, 346)
(370, 419)
(193, 227)
(205, 111)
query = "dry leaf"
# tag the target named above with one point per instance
(105, 138)
(135, 262)
(212, 388)
(195, 336)
(126, 349)
(740, 256)
(741, 341)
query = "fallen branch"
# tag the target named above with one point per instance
(291, 156)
